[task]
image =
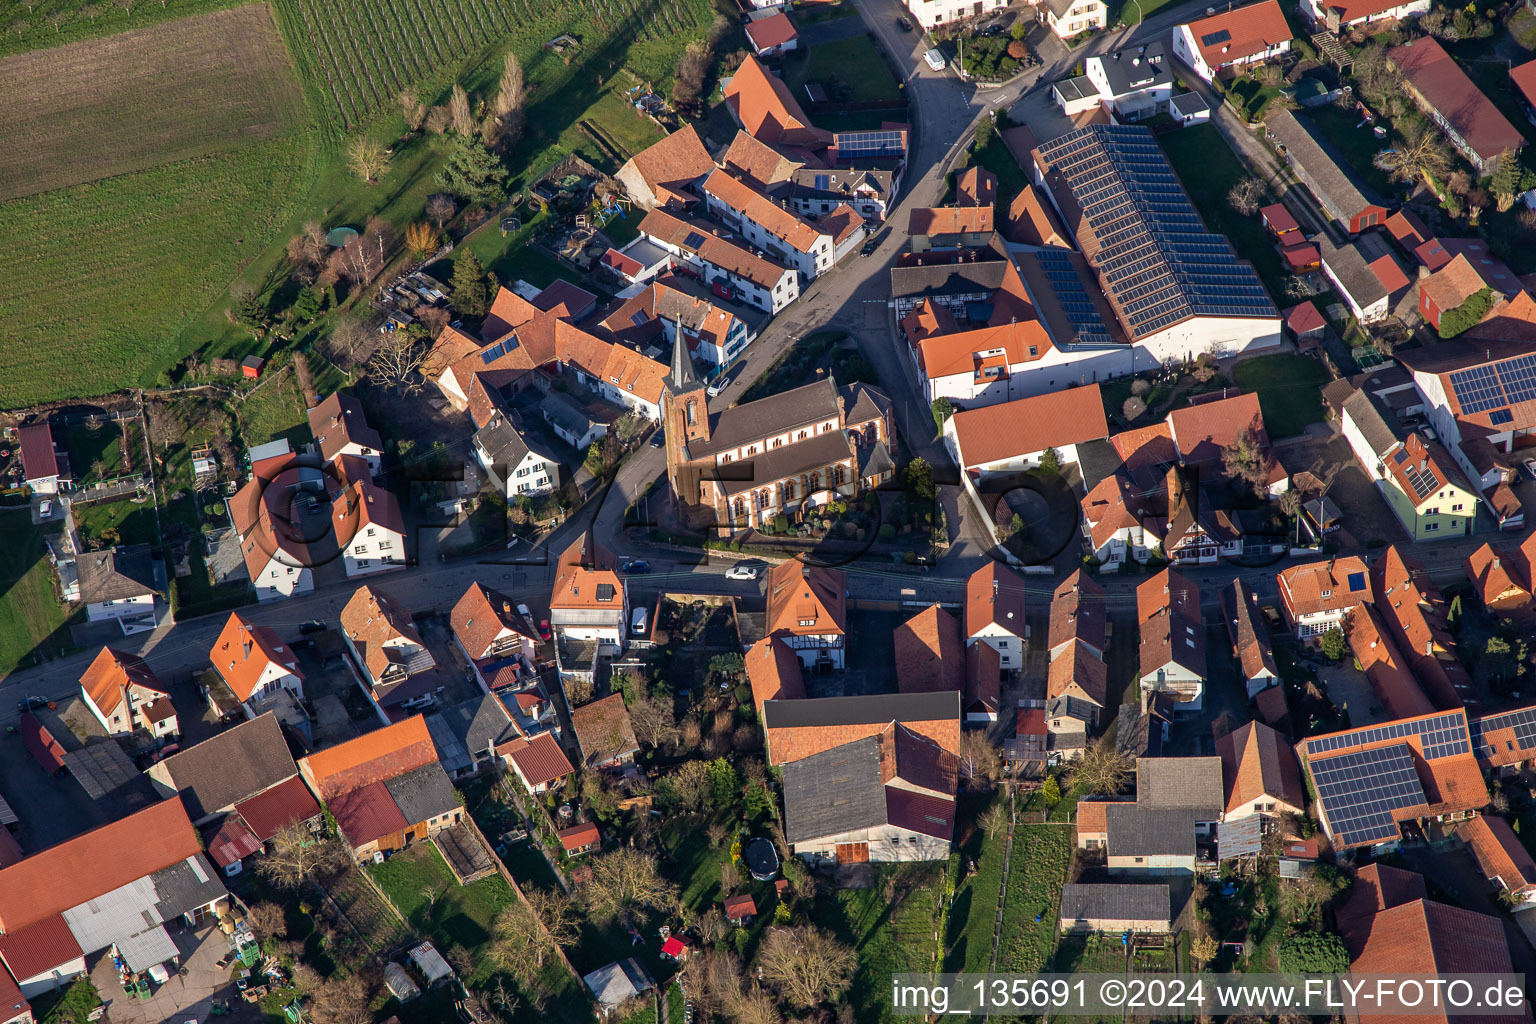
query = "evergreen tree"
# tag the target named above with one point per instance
(473, 173)
(470, 296)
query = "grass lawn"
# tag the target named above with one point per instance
(1252, 96)
(889, 938)
(515, 257)
(461, 915)
(1208, 169)
(275, 409)
(104, 523)
(1041, 855)
(855, 63)
(1289, 388)
(95, 452)
(31, 616)
(1131, 12)
(974, 911)
(1356, 143)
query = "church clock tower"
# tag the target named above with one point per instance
(685, 412)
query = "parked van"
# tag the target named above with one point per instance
(935, 60)
(638, 620)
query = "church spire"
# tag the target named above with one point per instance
(682, 378)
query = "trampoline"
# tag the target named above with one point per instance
(338, 237)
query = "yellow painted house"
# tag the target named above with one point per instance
(1427, 492)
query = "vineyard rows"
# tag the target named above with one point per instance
(369, 51)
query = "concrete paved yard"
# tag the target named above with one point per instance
(182, 998)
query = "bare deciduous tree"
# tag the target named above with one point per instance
(507, 110)
(440, 209)
(414, 111)
(1103, 770)
(296, 857)
(420, 239)
(307, 252)
(395, 362)
(980, 760)
(343, 999)
(438, 120)
(458, 111)
(1245, 196)
(367, 159)
(623, 879)
(268, 919)
(1132, 407)
(578, 692)
(807, 966)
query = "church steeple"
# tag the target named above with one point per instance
(682, 379)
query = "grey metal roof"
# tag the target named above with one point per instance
(813, 403)
(1136, 830)
(564, 413)
(1348, 267)
(1373, 426)
(422, 793)
(941, 279)
(107, 773)
(473, 725)
(838, 182)
(1079, 88)
(1190, 103)
(1184, 783)
(616, 982)
(1117, 901)
(120, 913)
(1330, 177)
(836, 791)
(1240, 837)
(235, 765)
(452, 754)
(185, 886)
(116, 573)
(869, 709)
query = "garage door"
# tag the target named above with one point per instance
(853, 853)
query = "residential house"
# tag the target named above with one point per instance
(737, 271)
(1443, 91)
(740, 910)
(1260, 773)
(1115, 521)
(1071, 18)
(121, 583)
(277, 551)
(1387, 922)
(1012, 437)
(385, 788)
(255, 664)
(817, 191)
(888, 797)
(760, 164)
(1031, 222)
(944, 228)
(604, 733)
(14, 1008)
(1316, 596)
(497, 641)
(1135, 83)
(1250, 638)
(218, 776)
(1462, 278)
(340, 428)
(365, 520)
(976, 186)
(1115, 907)
(933, 13)
(1338, 15)
(588, 608)
(1336, 186)
(518, 462)
(764, 106)
(1498, 581)
(774, 672)
(1191, 784)
(665, 172)
(44, 465)
(1418, 769)
(779, 456)
(396, 668)
(539, 763)
(473, 735)
(812, 249)
(576, 424)
(1171, 306)
(1503, 742)
(994, 619)
(807, 611)
(1149, 841)
(798, 728)
(662, 312)
(772, 36)
(1233, 38)
(1502, 856)
(1386, 669)
(1370, 279)
(124, 695)
(929, 652)
(115, 887)
(1077, 678)
(1418, 619)
(1427, 492)
(1172, 638)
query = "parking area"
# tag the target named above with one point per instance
(1366, 515)
(51, 808)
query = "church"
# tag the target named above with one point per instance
(786, 454)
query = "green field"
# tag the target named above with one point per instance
(890, 936)
(855, 65)
(30, 612)
(1290, 391)
(455, 915)
(1036, 871)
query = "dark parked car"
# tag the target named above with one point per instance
(312, 626)
(30, 703)
(993, 30)
(904, 24)
(636, 567)
(658, 439)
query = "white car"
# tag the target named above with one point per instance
(522, 610)
(45, 510)
(1530, 467)
(638, 621)
(718, 386)
(741, 572)
(936, 60)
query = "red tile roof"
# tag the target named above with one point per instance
(976, 186)
(508, 312)
(231, 842)
(243, 651)
(920, 812)
(765, 106)
(1499, 852)
(950, 220)
(579, 836)
(1384, 666)
(1248, 31)
(1257, 762)
(286, 803)
(1078, 672)
(603, 729)
(1409, 231)
(1302, 255)
(930, 654)
(739, 906)
(482, 616)
(1434, 75)
(38, 459)
(994, 433)
(339, 421)
(785, 225)
(540, 760)
(1203, 429)
(1377, 887)
(1276, 215)
(799, 592)
(774, 671)
(994, 594)
(1524, 79)
(1425, 937)
(1304, 317)
(774, 30)
(1317, 587)
(673, 162)
(366, 814)
(111, 673)
(39, 947)
(11, 999)
(87, 866)
(1078, 612)
(371, 757)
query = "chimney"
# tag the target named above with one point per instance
(1495, 561)
(506, 607)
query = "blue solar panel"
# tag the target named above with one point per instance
(1523, 722)
(877, 143)
(1359, 792)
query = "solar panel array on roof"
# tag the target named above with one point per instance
(1212, 38)
(1523, 722)
(498, 350)
(1441, 736)
(1494, 386)
(1158, 263)
(1422, 479)
(1360, 791)
(878, 143)
(694, 240)
(1081, 312)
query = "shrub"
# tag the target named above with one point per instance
(888, 532)
(781, 523)
(1333, 644)
(1468, 314)
(1314, 953)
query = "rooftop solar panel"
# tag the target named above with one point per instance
(1523, 722)
(1359, 791)
(1441, 736)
